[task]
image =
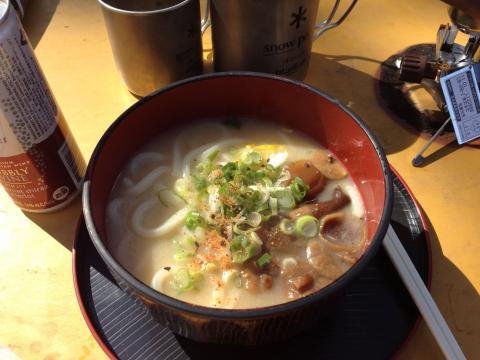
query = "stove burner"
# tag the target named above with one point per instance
(415, 106)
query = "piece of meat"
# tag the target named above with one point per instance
(266, 281)
(322, 260)
(328, 165)
(310, 175)
(273, 237)
(325, 264)
(339, 200)
(302, 283)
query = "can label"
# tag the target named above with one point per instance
(40, 165)
(28, 107)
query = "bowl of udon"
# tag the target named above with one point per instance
(237, 207)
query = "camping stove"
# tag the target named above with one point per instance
(409, 82)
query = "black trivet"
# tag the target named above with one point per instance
(373, 321)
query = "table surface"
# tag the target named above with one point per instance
(39, 314)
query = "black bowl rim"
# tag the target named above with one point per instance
(240, 314)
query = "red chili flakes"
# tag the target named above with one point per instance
(215, 250)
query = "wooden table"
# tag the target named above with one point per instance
(39, 314)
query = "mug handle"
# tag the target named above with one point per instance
(205, 23)
(327, 24)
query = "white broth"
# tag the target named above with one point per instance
(235, 214)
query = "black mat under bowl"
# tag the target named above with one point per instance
(373, 321)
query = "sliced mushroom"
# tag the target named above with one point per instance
(328, 165)
(310, 175)
(338, 201)
(332, 227)
(266, 281)
(302, 283)
(342, 234)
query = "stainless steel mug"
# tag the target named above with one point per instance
(269, 36)
(154, 42)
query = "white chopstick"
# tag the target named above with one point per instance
(421, 296)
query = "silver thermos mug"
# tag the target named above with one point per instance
(268, 36)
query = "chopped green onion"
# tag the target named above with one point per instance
(267, 181)
(182, 255)
(264, 195)
(285, 199)
(254, 219)
(255, 239)
(237, 242)
(283, 176)
(200, 183)
(307, 226)
(273, 202)
(185, 248)
(246, 253)
(266, 214)
(193, 220)
(229, 170)
(243, 249)
(264, 260)
(227, 211)
(186, 242)
(299, 189)
(252, 158)
(259, 174)
(248, 199)
(287, 226)
(242, 227)
(272, 172)
(212, 156)
(204, 168)
(224, 189)
(184, 280)
(266, 217)
(262, 208)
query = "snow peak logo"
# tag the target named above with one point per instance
(284, 47)
(298, 17)
(287, 46)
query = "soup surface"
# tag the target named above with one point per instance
(235, 214)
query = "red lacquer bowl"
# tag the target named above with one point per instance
(290, 104)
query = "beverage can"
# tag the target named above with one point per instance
(41, 167)
(20, 6)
